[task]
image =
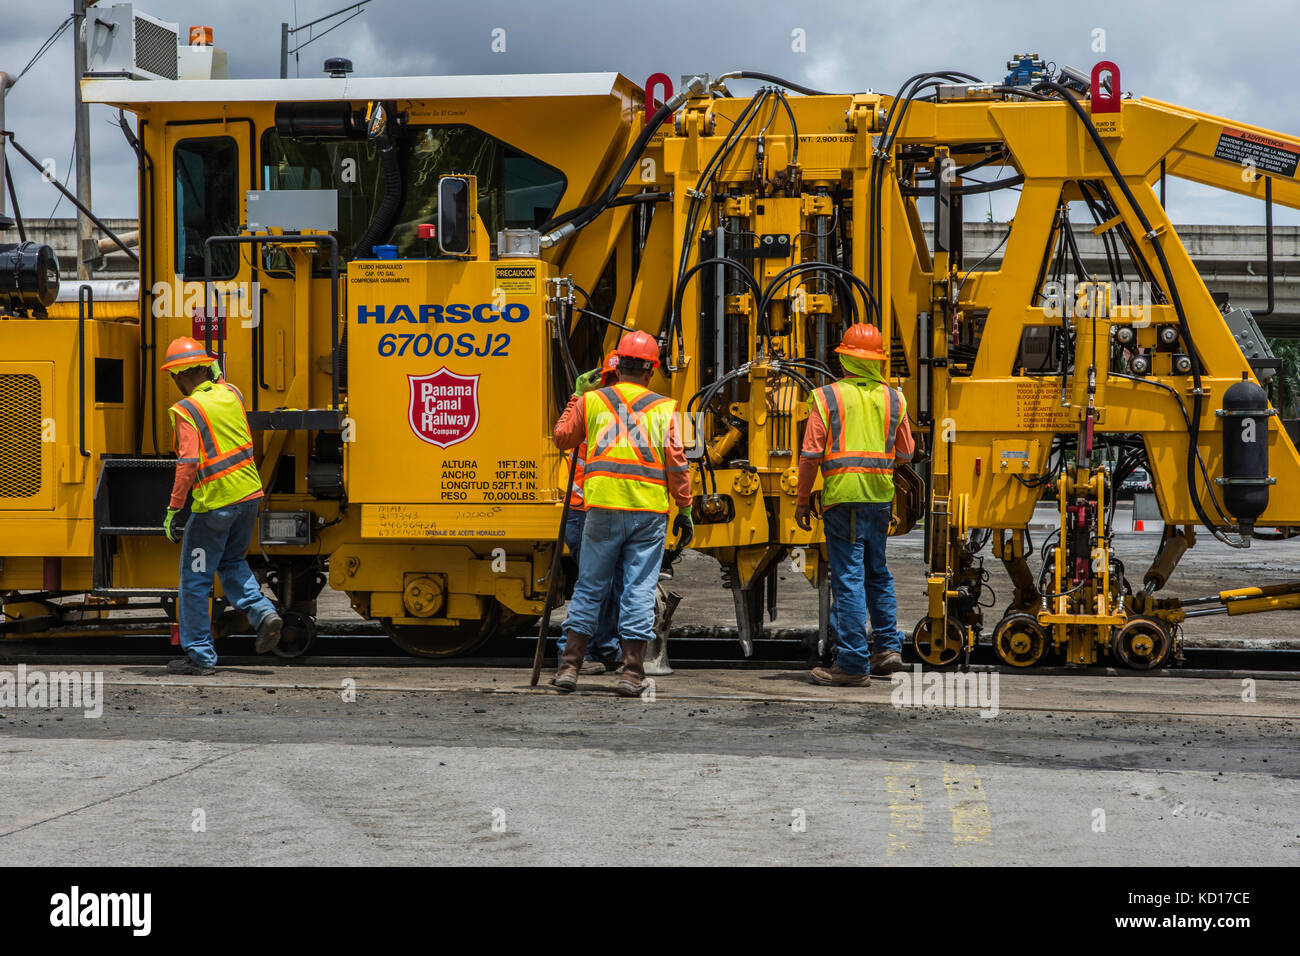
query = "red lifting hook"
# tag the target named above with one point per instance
(655, 81)
(1105, 102)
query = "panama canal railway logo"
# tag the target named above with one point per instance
(444, 407)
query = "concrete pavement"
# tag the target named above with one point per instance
(468, 765)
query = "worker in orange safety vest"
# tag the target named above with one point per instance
(635, 471)
(603, 652)
(216, 470)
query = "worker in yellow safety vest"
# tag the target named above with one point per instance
(215, 467)
(857, 428)
(635, 469)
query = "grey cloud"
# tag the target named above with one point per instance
(1234, 60)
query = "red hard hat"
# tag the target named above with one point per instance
(639, 345)
(609, 370)
(861, 341)
(185, 352)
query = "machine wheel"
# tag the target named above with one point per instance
(513, 625)
(297, 635)
(1143, 643)
(431, 640)
(939, 652)
(1020, 640)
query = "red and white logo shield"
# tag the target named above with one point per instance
(444, 407)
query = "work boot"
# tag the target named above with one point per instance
(268, 633)
(575, 649)
(834, 677)
(633, 679)
(594, 667)
(184, 665)
(885, 663)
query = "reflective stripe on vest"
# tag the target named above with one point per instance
(227, 470)
(627, 430)
(858, 463)
(579, 474)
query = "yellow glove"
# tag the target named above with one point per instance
(587, 382)
(170, 529)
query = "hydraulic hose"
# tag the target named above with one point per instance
(769, 78)
(564, 226)
(1194, 429)
(906, 93)
(675, 319)
(839, 272)
(703, 186)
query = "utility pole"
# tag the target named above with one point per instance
(81, 139)
(286, 31)
(6, 81)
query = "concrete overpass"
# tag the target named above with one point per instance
(1231, 259)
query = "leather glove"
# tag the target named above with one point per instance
(587, 382)
(170, 528)
(684, 527)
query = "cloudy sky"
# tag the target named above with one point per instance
(1235, 60)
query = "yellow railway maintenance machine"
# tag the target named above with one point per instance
(403, 276)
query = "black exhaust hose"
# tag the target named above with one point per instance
(381, 223)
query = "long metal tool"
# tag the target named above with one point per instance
(553, 576)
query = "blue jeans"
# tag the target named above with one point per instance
(217, 541)
(610, 537)
(855, 537)
(604, 646)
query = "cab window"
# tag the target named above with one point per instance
(515, 191)
(206, 172)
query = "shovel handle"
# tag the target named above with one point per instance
(552, 576)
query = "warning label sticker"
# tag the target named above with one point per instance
(518, 279)
(1264, 153)
(378, 273)
(1038, 408)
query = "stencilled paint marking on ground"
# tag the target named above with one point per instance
(906, 808)
(971, 823)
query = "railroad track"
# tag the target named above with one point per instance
(692, 647)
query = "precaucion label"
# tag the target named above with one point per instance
(520, 280)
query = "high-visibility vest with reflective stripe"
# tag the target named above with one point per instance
(576, 502)
(227, 472)
(861, 420)
(627, 431)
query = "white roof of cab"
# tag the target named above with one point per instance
(125, 91)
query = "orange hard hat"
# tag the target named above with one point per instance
(861, 341)
(185, 352)
(609, 369)
(639, 345)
